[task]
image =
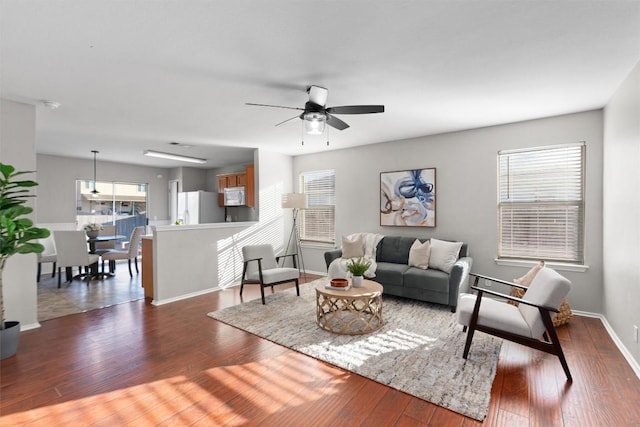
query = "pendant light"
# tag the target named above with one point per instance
(94, 191)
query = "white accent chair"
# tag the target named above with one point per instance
(131, 253)
(261, 268)
(72, 251)
(528, 324)
(48, 255)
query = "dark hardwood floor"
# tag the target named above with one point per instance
(136, 364)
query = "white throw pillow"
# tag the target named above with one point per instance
(419, 254)
(444, 254)
(352, 248)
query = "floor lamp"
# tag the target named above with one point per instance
(296, 202)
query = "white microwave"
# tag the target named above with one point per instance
(234, 196)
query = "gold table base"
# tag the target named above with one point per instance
(354, 312)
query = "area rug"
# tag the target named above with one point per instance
(418, 350)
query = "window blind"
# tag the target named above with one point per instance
(541, 203)
(317, 222)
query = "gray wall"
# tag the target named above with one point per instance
(193, 179)
(57, 191)
(621, 223)
(466, 187)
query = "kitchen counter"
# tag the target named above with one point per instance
(191, 260)
(163, 228)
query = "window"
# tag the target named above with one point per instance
(317, 222)
(541, 203)
(121, 204)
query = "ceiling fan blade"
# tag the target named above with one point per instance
(318, 95)
(356, 109)
(274, 106)
(336, 122)
(285, 121)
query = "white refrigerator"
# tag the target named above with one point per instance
(199, 207)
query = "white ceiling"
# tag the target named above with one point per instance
(136, 75)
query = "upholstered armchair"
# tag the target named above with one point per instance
(529, 323)
(261, 268)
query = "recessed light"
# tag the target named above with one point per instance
(52, 105)
(180, 144)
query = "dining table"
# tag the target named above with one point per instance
(102, 238)
(92, 249)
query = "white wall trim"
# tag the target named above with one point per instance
(185, 296)
(627, 355)
(317, 273)
(555, 265)
(30, 326)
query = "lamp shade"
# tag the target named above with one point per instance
(314, 123)
(294, 201)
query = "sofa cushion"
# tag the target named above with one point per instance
(444, 254)
(419, 254)
(494, 314)
(395, 249)
(352, 247)
(390, 273)
(433, 280)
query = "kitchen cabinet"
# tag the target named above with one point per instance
(250, 185)
(246, 179)
(147, 267)
(226, 181)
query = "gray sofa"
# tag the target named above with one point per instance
(397, 278)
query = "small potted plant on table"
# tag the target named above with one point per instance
(93, 230)
(357, 267)
(17, 235)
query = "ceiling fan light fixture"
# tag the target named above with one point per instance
(314, 123)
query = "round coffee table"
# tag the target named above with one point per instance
(354, 312)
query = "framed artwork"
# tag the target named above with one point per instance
(408, 198)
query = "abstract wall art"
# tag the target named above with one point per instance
(408, 198)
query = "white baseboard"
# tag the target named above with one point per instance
(185, 296)
(626, 353)
(29, 326)
(319, 273)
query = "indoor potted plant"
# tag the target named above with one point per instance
(357, 267)
(17, 236)
(93, 230)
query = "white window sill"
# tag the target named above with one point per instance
(555, 265)
(315, 245)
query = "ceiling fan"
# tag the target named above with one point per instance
(315, 112)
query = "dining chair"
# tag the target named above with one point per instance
(131, 253)
(261, 268)
(104, 246)
(48, 255)
(72, 251)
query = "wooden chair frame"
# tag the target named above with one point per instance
(549, 342)
(261, 280)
